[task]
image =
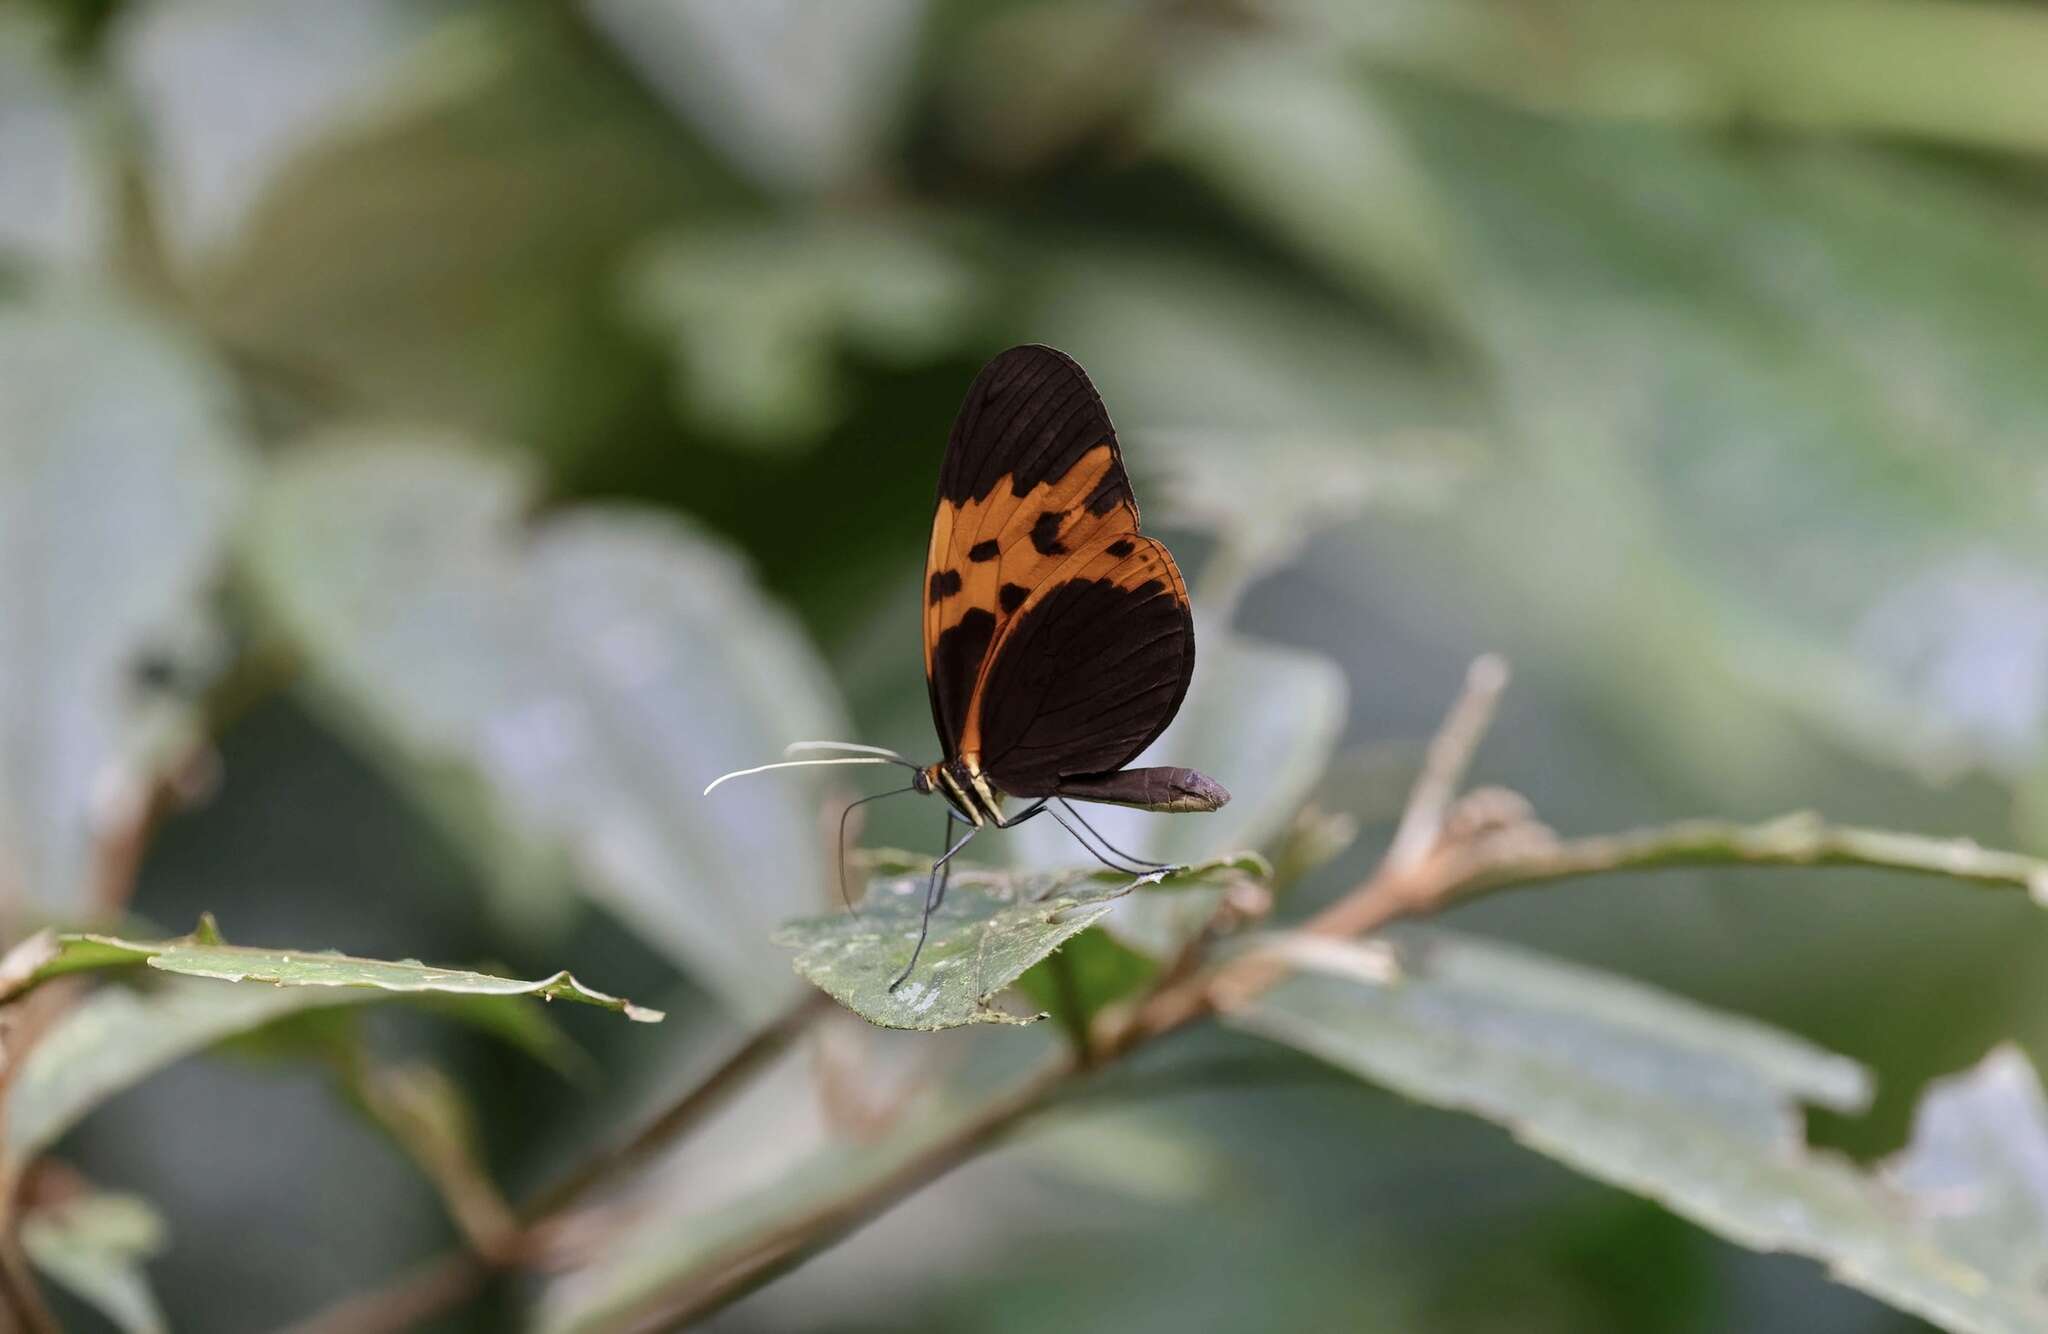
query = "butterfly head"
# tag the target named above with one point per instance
(966, 789)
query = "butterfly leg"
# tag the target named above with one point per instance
(935, 891)
(1134, 860)
(1097, 853)
(1011, 822)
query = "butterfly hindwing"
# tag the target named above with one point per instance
(1093, 667)
(1032, 475)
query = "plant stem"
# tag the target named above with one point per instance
(1801, 839)
(732, 1274)
(692, 1106)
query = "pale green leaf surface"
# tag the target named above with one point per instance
(294, 968)
(1822, 64)
(756, 317)
(55, 212)
(1977, 1165)
(203, 954)
(988, 931)
(219, 134)
(1692, 1108)
(120, 469)
(1256, 412)
(1748, 311)
(119, 1036)
(798, 96)
(594, 671)
(1288, 135)
(96, 1245)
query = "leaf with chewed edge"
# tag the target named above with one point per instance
(990, 930)
(1697, 1110)
(204, 954)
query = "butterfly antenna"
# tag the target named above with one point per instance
(844, 893)
(798, 747)
(797, 764)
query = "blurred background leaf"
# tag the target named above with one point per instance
(1566, 1059)
(594, 671)
(96, 1245)
(120, 474)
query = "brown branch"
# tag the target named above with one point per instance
(707, 1095)
(21, 1301)
(1444, 765)
(737, 1271)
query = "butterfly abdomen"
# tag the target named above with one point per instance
(1163, 789)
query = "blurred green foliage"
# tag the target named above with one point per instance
(436, 438)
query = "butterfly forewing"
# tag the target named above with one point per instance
(1031, 476)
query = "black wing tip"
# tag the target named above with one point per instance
(1027, 355)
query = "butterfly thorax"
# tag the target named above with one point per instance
(966, 789)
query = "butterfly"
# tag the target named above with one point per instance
(1058, 640)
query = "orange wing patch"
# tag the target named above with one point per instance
(991, 554)
(1125, 558)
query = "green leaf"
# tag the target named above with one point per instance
(1977, 1166)
(437, 247)
(798, 97)
(288, 968)
(56, 210)
(96, 1245)
(1813, 316)
(202, 954)
(120, 470)
(1092, 971)
(988, 931)
(209, 160)
(756, 316)
(1290, 137)
(591, 672)
(1257, 412)
(1837, 65)
(1695, 1109)
(119, 1036)
(992, 928)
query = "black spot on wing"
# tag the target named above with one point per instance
(1045, 533)
(986, 549)
(1121, 548)
(1013, 595)
(945, 583)
(956, 662)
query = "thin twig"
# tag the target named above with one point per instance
(448, 1280)
(1449, 756)
(692, 1106)
(732, 1274)
(21, 1301)
(429, 1289)
(1801, 839)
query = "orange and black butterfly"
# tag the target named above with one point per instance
(1058, 642)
